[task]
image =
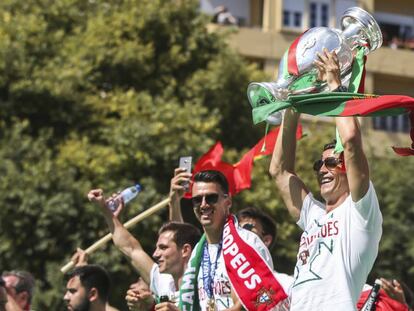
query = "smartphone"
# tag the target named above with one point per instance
(185, 162)
(164, 298)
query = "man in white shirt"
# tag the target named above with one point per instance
(340, 240)
(173, 249)
(212, 202)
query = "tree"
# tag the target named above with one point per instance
(109, 93)
(103, 94)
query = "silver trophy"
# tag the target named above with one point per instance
(359, 30)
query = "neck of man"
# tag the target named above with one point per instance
(179, 276)
(213, 235)
(334, 202)
(97, 305)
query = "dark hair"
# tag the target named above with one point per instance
(269, 226)
(213, 176)
(184, 233)
(93, 276)
(2, 283)
(25, 283)
(408, 294)
(330, 145)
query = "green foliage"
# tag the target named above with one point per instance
(394, 184)
(103, 94)
(109, 93)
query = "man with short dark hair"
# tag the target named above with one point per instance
(79, 259)
(3, 295)
(228, 260)
(87, 289)
(257, 221)
(340, 237)
(173, 250)
(20, 286)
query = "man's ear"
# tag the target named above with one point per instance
(229, 201)
(93, 294)
(186, 250)
(267, 240)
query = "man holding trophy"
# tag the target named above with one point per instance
(340, 237)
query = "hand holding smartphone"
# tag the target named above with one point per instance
(185, 162)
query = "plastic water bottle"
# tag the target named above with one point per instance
(369, 304)
(126, 195)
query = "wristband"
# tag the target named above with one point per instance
(340, 88)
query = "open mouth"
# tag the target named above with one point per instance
(325, 180)
(207, 211)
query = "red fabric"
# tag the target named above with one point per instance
(368, 105)
(383, 303)
(292, 63)
(407, 151)
(250, 276)
(238, 175)
(243, 169)
(212, 161)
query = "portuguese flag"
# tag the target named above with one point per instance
(239, 174)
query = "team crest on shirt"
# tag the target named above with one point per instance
(303, 256)
(264, 296)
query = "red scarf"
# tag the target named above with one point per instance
(250, 276)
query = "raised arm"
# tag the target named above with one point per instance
(177, 191)
(282, 165)
(122, 238)
(356, 163)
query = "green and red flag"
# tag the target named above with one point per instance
(239, 174)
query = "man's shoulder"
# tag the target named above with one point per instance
(251, 237)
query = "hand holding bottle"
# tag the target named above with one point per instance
(117, 201)
(123, 197)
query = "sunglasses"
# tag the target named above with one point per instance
(252, 228)
(210, 199)
(330, 163)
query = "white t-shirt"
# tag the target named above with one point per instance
(162, 284)
(221, 282)
(337, 251)
(285, 280)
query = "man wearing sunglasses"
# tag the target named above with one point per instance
(259, 222)
(208, 281)
(340, 240)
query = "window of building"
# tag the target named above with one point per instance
(297, 19)
(312, 15)
(399, 123)
(293, 12)
(292, 19)
(324, 15)
(286, 18)
(318, 14)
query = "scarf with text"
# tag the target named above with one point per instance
(250, 276)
